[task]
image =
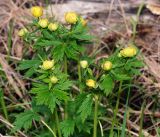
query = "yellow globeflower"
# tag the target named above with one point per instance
(71, 17)
(37, 11)
(43, 23)
(22, 32)
(47, 64)
(91, 83)
(83, 21)
(84, 64)
(54, 79)
(53, 26)
(107, 65)
(128, 52)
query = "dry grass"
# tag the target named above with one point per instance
(112, 27)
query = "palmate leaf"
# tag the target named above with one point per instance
(24, 120)
(46, 98)
(67, 127)
(31, 65)
(58, 52)
(86, 108)
(63, 85)
(107, 84)
(45, 43)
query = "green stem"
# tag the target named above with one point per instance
(95, 116)
(66, 72)
(116, 109)
(57, 123)
(79, 76)
(44, 123)
(65, 64)
(3, 105)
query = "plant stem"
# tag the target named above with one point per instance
(2, 102)
(116, 109)
(79, 76)
(95, 116)
(66, 72)
(44, 123)
(57, 123)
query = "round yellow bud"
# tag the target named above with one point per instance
(54, 79)
(84, 64)
(22, 32)
(128, 52)
(91, 83)
(47, 64)
(53, 26)
(83, 21)
(107, 65)
(71, 17)
(37, 11)
(43, 23)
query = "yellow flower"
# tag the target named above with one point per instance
(91, 83)
(53, 26)
(54, 79)
(84, 64)
(47, 64)
(22, 32)
(128, 52)
(37, 11)
(43, 23)
(83, 21)
(71, 17)
(107, 65)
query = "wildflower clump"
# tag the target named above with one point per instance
(37, 11)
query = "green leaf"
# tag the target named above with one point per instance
(107, 84)
(26, 64)
(24, 120)
(83, 37)
(67, 127)
(58, 52)
(46, 98)
(63, 85)
(120, 75)
(86, 108)
(46, 43)
(61, 95)
(71, 52)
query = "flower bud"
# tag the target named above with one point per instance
(47, 64)
(128, 52)
(43, 23)
(37, 11)
(53, 26)
(83, 21)
(22, 32)
(107, 65)
(71, 17)
(84, 64)
(54, 79)
(91, 83)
